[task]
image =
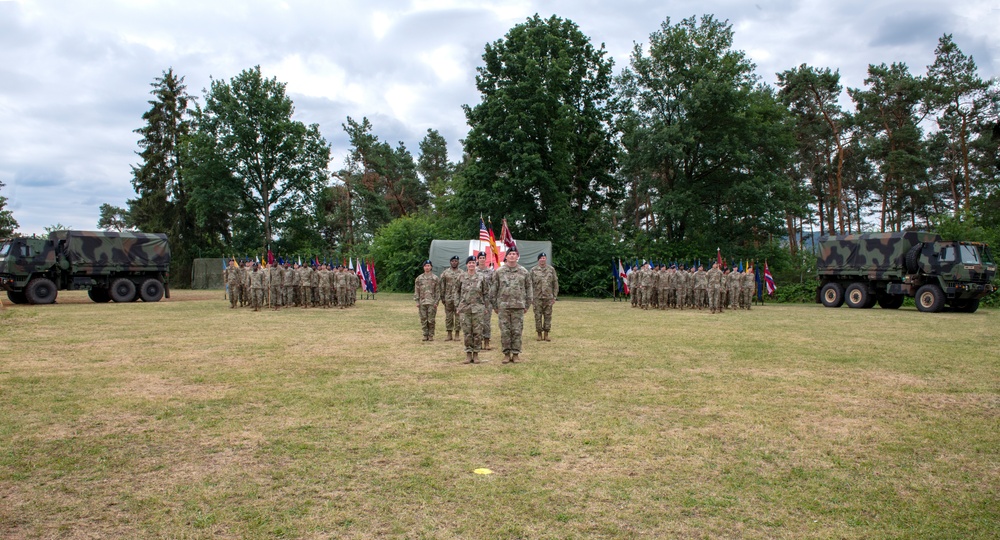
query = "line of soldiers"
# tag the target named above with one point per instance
(290, 285)
(471, 296)
(659, 287)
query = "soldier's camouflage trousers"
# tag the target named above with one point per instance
(305, 296)
(428, 316)
(472, 327)
(714, 298)
(543, 315)
(257, 298)
(450, 312)
(234, 293)
(342, 297)
(276, 293)
(487, 323)
(511, 327)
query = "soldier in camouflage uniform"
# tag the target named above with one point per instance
(749, 287)
(354, 282)
(305, 285)
(701, 288)
(645, 286)
(677, 288)
(256, 288)
(314, 285)
(511, 294)
(427, 294)
(663, 296)
(288, 284)
(545, 285)
(341, 281)
(245, 296)
(714, 279)
(633, 285)
(487, 274)
(324, 286)
(275, 275)
(449, 289)
(472, 292)
(233, 278)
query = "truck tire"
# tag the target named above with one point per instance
(17, 297)
(911, 259)
(99, 295)
(857, 296)
(967, 305)
(832, 295)
(930, 298)
(122, 290)
(41, 291)
(890, 301)
(151, 290)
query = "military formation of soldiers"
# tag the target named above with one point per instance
(660, 287)
(471, 296)
(290, 285)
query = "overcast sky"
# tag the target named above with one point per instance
(75, 75)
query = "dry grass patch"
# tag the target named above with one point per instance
(185, 419)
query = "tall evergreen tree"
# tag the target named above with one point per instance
(163, 195)
(434, 167)
(888, 119)
(966, 106)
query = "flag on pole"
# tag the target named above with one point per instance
(768, 280)
(493, 243)
(505, 236)
(486, 242)
(270, 258)
(622, 277)
(366, 280)
(371, 276)
(361, 275)
(718, 258)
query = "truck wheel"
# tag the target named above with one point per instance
(890, 301)
(930, 299)
(832, 295)
(41, 291)
(857, 296)
(122, 290)
(151, 290)
(965, 305)
(17, 297)
(910, 259)
(98, 295)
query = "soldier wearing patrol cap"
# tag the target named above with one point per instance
(487, 274)
(545, 284)
(426, 294)
(472, 292)
(449, 296)
(511, 292)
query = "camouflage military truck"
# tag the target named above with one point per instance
(883, 268)
(115, 266)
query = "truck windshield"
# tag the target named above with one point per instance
(970, 255)
(4, 248)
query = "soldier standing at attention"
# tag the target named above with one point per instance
(701, 288)
(545, 284)
(256, 288)
(511, 293)
(233, 279)
(276, 274)
(449, 296)
(633, 286)
(288, 284)
(487, 274)
(472, 292)
(427, 295)
(714, 278)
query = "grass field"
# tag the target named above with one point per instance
(185, 419)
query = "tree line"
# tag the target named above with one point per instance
(684, 151)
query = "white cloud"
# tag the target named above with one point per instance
(74, 76)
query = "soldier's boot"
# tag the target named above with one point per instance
(539, 338)
(468, 358)
(450, 336)
(514, 358)
(486, 344)
(475, 357)
(506, 358)
(425, 337)
(545, 336)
